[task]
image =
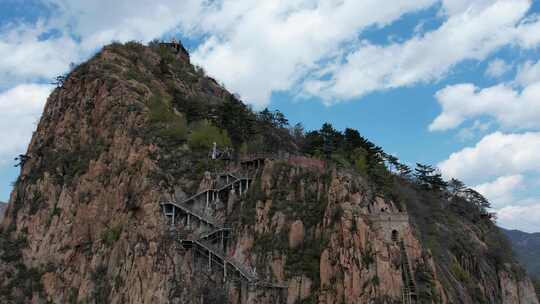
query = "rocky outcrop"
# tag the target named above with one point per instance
(3, 207)
(85, 224)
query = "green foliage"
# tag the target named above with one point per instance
(167, 125)
(306, 259)
(500, 252)
(109, 236)
(349, 149)
(10, 249)
(37, 202)
(368, 256)
(21, 283)
(239, 122)
(194, 108)
(460, 273)
(426, 287)
(204, 134)
(359, 157)
(429, 177)
(64, 165)
(102, 286)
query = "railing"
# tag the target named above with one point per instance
(192, 212)
(409, 287)
(203, 242)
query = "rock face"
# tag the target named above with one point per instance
(3, 207)
(85, 224)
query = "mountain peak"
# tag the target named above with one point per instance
(147, 182)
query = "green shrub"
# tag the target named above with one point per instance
(102, 287)
(204, 135)
(167, 124)
(110, 235)
(460, 273)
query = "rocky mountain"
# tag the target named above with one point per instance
(3, 207)
(527, 248)
(147, 182)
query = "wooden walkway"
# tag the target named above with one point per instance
(204, 243)
(171, 209)
(409, 287)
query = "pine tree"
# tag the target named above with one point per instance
(429, 177)
(456, 187)
(404, 170)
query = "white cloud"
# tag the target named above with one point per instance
(20, 109)
(257, 48)
(99, 22)
(528, 33)
(504, 168)
(470, 132)
(528, 73)
(472, 31)
(500, 192)
(260, 47)
(525, 218)
(497, 154)
(26, 56)
(497, 68)
(510, 107)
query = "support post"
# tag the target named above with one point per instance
(222, 241)
(209, 260)
(207, 199)
(224, 271)
(188, 221)
(173, 215)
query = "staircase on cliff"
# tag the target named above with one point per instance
(409, 287)
(204, 243)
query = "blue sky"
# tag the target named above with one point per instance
(453, 83)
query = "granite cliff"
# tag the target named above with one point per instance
(147, 182)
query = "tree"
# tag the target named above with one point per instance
(477, 199)
(392, 161)
(404, 170)
(59, 81)
(352, 139)
(205, 134)
(429, 177)
(313, 143)
(298, 134)
(233, 116)
(331, 138)
(21, 160)
(456, 187)
(275, 119)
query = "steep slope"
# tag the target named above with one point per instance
(3, 207)
(120, 201)
(527, 247)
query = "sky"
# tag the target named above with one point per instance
(453, 83)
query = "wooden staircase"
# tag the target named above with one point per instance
(408, 290)
(205, 244)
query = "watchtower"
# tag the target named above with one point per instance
(177, 47)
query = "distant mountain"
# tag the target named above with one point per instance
(527, 247)
(3, 207)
